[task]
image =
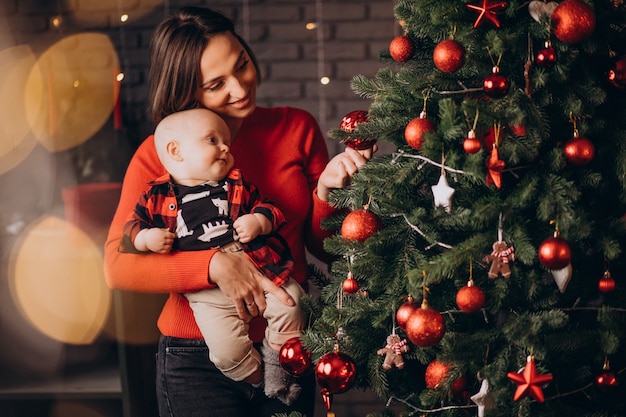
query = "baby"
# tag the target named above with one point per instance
(203, 203)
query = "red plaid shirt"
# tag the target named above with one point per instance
(158, 207)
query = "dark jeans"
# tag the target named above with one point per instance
(189, 385)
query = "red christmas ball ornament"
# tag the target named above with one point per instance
(606, 284)
(350, 285)
(579, 151)
(349, 123)
(335, 373)
(437, 373)
(519, 130)
(416, 129)
(401, 48)
(470, 298)
(617, 74)
(471, 144)
(294, 358)
(360, 225)
(606, 381)
(554, 253)
(449, 55)
(546, 57)
(496, 85)
(405, 310)
(425, 327)
(573, 21)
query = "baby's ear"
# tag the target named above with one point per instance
(173, 150)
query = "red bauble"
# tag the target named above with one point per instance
(350, 285)
(606, 283)
(606, 381)
(416, 129)
(470, 298)
(401, 48)
(425, 327)
(336, 374)
(519, 130)
(294, 358)
(436, 375)
(546, 57)
(617, 74)
(449, 55)
(349, 123)
(405, 310)
(496, 85)
(471, 145)
(579, 151)
(554, 253)
(360, 224)
(573, 21)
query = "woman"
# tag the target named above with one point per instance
(197, 60)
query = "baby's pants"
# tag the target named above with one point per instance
(226, 335)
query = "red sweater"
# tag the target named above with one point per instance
(282, 151)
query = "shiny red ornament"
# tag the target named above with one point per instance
(449, 55)
(436, 375)
(496, 85)
(573, 21)
(425, 327)
(470, 298)
(519, 130)
(617, 74)
(294, 358)
(606, 284)
(360, 225)
(405, 310)
(350, 285)
(554, 253)
(606, 381)
(349, 123)
(401, 48)
(487, 10)
(335, 373)
(471, 144)
(546, 57)
(579, 151)
(416, 129)
(529, 382)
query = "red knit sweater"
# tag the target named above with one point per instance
(282, 151)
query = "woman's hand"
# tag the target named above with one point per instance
(341, 168)
(240, 280)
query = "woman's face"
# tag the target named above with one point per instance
(227, 77)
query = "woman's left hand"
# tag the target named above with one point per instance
(341, 168)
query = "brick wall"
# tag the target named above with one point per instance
(291, 57)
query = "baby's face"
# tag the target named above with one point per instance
(205, 147)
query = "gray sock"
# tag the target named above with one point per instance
(278, 383)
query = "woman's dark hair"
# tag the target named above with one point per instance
(175, 51)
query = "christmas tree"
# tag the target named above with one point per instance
(480, 266)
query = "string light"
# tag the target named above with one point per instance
(325, 80)
(56, 21)
(120, 76)
(311, 26)
(124, 18)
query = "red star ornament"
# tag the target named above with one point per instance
(529, 382)
(494, 167)
(487, 11)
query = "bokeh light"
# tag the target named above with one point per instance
(16, 142)
(57, 281)
(71, 90)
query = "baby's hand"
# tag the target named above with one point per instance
(248, 227)
(158, 240)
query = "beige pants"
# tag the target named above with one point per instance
(226, 335)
